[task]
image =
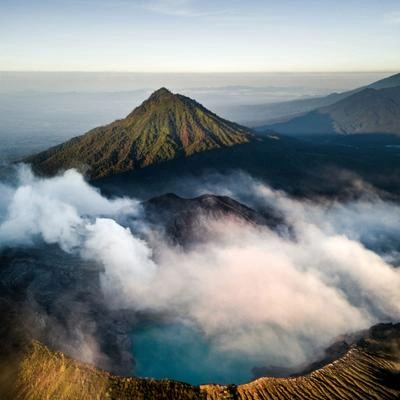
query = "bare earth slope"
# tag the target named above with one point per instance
(163, 127)
(369, 370)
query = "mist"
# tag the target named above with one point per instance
(269, 296)
(42, 109)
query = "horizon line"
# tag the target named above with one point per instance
(206, 72)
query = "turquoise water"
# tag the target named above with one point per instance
(181, 352)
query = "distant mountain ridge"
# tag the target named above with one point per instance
(390, 81)
(366, 111)
(268, 114)
(163, 127)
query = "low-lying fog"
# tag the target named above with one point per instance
(39, 110)
(246, 296)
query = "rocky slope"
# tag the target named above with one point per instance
(164, 127)
(369, 370)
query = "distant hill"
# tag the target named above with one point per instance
(266, 114)
(391, 81)
(367, 111)
(163, 127)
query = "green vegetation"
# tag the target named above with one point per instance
(164, 127)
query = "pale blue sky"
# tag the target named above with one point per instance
(200, 36)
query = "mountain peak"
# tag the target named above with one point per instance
(161, 93)
(163, 127)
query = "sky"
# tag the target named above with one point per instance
(200, 35)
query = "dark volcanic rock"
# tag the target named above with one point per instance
(184, 220)
(49, 295)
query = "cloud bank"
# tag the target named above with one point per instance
(277, 299)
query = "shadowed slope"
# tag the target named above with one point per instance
(163, 127)
(366, 111)
(182, 220)
(264, 115)
(369, 370)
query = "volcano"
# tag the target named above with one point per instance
(164, 127)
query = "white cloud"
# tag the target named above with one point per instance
(123, 256)
(249, 289)
(56, 210)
